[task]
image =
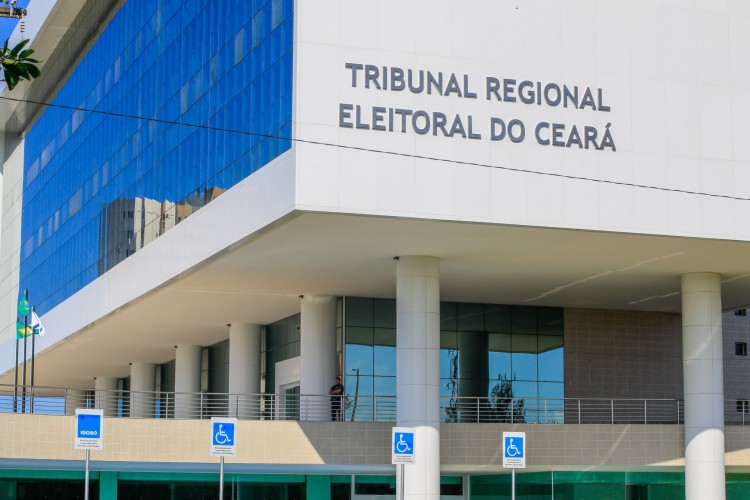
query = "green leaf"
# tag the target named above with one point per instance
(11, 80)
(18, 48)
(12, 68)
(25, 54)
(33, 71)
(23, 71)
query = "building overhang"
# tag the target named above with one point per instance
(260, 279)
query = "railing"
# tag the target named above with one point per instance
(362, 408)
(561, 411)
(175, 405)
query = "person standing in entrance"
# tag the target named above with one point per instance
(337, 396)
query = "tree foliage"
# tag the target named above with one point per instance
(18, 64)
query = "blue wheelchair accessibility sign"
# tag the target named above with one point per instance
(513, 447)
(223, 434)
(402, 445)
(514, 450)
(222, 437)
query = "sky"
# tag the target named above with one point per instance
(7, 25)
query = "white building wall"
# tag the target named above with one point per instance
(257, 201)
(675, 77)
(10, 237)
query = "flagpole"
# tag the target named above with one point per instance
(33, 341)
(15, 384)
(25, 337)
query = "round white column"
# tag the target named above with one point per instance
(187, 381)
(142, 390)
(105, 395)
(418, 368)
(703, 360)
(317, 355)
(244, 371)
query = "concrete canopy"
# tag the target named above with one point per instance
(260, 281)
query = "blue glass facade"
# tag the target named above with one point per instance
(488, 353)
(99, 187)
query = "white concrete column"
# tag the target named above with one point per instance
(187, 381)
(244, 371)
(74, 398)
(418, 369)
(317, 356)
(703, 360)
(142, 390)
(106, 395)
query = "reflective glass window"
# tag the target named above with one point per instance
(99, 187)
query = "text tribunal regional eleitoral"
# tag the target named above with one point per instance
(422, 122)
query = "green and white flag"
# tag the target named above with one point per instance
(36, 324)
(23, 307)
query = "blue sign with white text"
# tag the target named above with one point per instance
(89, 426)
(223, 434)
(403, 443)
(513, 447)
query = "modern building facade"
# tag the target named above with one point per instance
(483, 216)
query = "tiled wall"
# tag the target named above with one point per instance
(736, 367)
(623, 354)
(566, 446)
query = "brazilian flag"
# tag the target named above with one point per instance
(22, 330)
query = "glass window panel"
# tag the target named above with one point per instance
(551, 390)
(449, 363)
(448, 340)
(523, 319)
(526, 402)
(448, 319)
(385, 386)
(384, 337)
(385, 361)
(470, 317)
(551, 365)
(359, 311)
(499, 356)
(359, 357)
(524, 357)
(448, 389)
(384, 313)
(550, 320)
(358, 385)
(497, 318)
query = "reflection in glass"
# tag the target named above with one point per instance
(524, 357)
(499, 356)
(360, 358)
(523, 319)
(486, 373)
(385, 360)
(99, 188)
(551, 366)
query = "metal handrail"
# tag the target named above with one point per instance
(360, 408)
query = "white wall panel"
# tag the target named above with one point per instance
(672, 73)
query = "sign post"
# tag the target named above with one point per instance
(402, 451)
(223, 444)
(514, 456)
(89, 436)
